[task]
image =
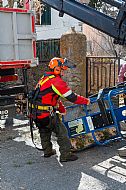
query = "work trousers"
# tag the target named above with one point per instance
(54, 124)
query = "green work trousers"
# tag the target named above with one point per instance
(54, 124)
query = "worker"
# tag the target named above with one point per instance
(122, 73)
(122, 78)
(52, 86)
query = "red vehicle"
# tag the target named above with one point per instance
(17, 51)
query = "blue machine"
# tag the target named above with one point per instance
(105, 111)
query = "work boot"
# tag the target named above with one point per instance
(53, 152)
(72, 149)
(67, 158)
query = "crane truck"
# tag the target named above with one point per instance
(17, 52)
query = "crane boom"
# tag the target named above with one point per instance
(114, 27)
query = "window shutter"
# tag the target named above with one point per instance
(46, 16)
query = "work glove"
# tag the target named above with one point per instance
(88, 101)
(61, 107)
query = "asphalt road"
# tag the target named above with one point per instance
(24, 168)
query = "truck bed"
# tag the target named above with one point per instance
(17, 38)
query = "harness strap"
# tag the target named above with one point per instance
(32, 135)
(31, 106)
(51, 118)
(42, 81)
(45, 108)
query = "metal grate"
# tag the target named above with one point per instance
(74, 112)
(47, 49)
(102, 72)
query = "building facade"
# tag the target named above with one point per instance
(51, 26)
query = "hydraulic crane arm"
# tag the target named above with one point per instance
(114, 27)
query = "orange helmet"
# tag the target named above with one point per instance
(58, 62)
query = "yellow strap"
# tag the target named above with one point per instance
(41, 82)
(56, 91)
(48, 108)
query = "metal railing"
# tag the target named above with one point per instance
(101, 72)
(47, 49)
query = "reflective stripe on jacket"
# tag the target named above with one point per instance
(54, 88)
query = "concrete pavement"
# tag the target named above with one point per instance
(24, 168)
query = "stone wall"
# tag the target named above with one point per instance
(35, 73)
(73, 47)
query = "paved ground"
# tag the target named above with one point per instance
(24, 168)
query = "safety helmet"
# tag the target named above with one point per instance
(58, 62)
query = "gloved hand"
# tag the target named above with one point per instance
(88, 101)
(61, 108)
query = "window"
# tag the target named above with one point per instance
(46, 16)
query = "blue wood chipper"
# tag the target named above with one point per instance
(107, 110)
